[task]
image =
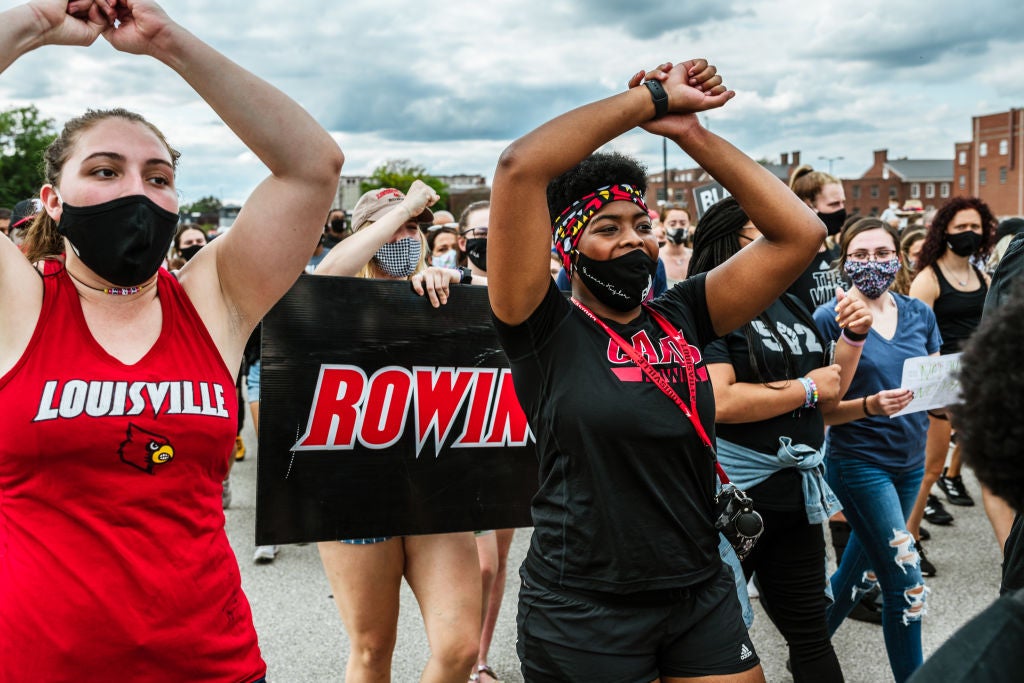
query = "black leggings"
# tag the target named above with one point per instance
(789, 560)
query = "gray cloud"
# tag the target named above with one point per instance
(652, 20)
(449, 84)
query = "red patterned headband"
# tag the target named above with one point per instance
(568, 227)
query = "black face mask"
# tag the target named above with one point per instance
(338, 225)
(964, 243)
(677, 235)
(476, 249)
(188, 252)
(328, 241)
(833, 221)
(124, 241)
(621, 283)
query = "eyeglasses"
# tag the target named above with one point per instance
(879, 255)
(476, 232)
(443, 226)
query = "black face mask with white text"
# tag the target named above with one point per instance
(476, 250)
(620, 283)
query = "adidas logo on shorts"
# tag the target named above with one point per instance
(745, 652)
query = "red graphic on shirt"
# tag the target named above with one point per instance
(349, 407)
(145, 450)
(665, 353)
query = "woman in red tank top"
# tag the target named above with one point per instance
(114, 564)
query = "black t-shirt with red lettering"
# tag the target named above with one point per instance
(626, 486)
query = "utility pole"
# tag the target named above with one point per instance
(830, 160)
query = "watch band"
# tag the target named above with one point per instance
(659, 96)
(467, 276)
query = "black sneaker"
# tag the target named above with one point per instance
(936, 513)
(869, 608)
(927, 568)
(954, 489)
(923, 534)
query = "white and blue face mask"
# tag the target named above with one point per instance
(446, 259)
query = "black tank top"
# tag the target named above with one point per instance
(957, 313)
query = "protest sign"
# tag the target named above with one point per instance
(383, 416)
(706, 196)
(933, 379)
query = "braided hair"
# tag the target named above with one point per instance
(715, 241)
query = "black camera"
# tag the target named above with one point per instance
(737, 520)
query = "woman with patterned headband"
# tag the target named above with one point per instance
(623, 579)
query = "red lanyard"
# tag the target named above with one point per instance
(688, 364)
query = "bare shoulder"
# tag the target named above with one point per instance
(925, 285)
(21, 301)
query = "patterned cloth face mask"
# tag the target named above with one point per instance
(399, 259)
(872, 278)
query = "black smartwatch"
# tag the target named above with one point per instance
(659, 96)
(467, 275)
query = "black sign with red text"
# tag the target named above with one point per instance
(383, 416)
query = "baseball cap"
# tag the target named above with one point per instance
(376, 203)
(23, 213)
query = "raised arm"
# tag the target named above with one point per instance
(23, 29)
(519, 246)
(276, 231)
(744, 285)
(350, 255)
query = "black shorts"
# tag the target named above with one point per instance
(577, 636)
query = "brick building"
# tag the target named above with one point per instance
(927, 180)
(989, 166)
(681, 183)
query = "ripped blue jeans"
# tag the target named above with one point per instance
(877, 503)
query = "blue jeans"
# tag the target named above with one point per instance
(877, 503)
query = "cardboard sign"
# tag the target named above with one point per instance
(383, 416)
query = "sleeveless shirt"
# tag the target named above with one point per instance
(958, 313)
(114, 562)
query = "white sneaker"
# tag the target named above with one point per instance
(265, 554)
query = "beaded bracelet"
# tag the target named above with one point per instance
(811, 390)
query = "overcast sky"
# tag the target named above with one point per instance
(449, 84)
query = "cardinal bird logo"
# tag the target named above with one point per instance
(145, 450)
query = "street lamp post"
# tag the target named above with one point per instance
(830, 160)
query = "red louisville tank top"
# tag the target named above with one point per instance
(114, 563)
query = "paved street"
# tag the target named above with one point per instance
(303, 640)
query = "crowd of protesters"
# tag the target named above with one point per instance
(780, 404)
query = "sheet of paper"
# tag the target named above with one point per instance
(934, 381)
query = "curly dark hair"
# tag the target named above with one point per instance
(935, 243)
(598, 170)
(991, 380)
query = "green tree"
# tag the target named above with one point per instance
(24, 136)
(400, 174)
(203, 205)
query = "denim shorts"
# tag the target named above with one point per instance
(252, 382)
